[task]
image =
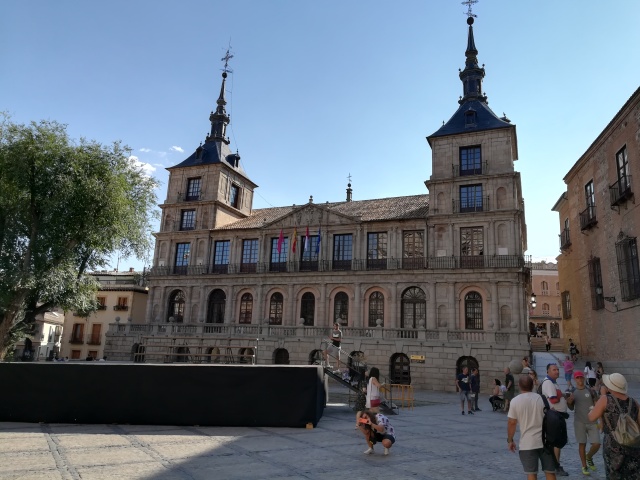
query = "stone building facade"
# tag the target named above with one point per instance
(599, 225)
(546, 316)
(421, 284)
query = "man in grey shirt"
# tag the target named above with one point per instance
(582, 400)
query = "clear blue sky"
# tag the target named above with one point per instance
(323, 89)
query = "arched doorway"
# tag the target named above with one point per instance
(213, 355)
(176, 306)
(469, 362)
(400, 369)
(215, 310)
(182, 355)
(281, 356)
(245, 355)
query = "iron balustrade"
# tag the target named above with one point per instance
(121, 307)
(565, 239)
(425, 263)
(471, 205)
(620, 191)
(588, 217)
(463, 172)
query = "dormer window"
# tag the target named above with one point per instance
(470, 118)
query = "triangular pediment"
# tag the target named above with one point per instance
(312, 215)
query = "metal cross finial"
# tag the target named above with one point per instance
(226, 59)
(349, 178)
(469, 4)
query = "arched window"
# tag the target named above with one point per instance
(545, 288)
(246, 308)
(376, 308)
(176, 306)
(473, 311)
(545, 309)
(341, 308)
(281, 357)
(215, 312)
(307, 308)
(414, 308)
(275, 309)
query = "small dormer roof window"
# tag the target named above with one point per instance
(470, 118)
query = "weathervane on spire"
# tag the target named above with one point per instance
(469, 4)
(228, 57)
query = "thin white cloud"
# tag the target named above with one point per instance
(146, 168)
(145, 150)
(177, 149)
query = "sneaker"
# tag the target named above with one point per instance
(478, 410)
(386, 451)
(560, 472)
(463, 412)
(590, 464)
(470, 412)
(585, 471)
(369, 451)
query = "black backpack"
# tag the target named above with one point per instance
(554, 425)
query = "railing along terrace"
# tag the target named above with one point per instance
(424, 263)
(216, 330)
(472, 205)
(479, 170)
(565, 239)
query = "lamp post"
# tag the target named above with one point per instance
(533, 301)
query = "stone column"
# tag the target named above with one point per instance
(495, 308)
(457, 305)
(258, 303)
(289, 308)
(356, 310)
(323, 318)
(432, 306)
(229, 311)
(203, 304)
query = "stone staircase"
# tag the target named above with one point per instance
(541, 359)
(538, 345)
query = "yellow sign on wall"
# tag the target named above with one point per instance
(417, 358)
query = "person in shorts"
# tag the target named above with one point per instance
(463, 382)
(376, 428)
(333, 345)
(582, 400)
(527, 411)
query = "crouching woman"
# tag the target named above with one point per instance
(376, 428)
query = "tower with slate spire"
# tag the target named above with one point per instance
(207, 190)
(476, 209)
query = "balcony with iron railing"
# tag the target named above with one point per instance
(94, 339)
(565, 239)
(473, 205)
(425, 263)
(620, 191)
(463, 172)
(101, 307)
(76, 340)
(121, 308)
(588, 217)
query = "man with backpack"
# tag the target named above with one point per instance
(527, 410)
(549, 389)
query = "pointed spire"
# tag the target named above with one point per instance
(472, 74)
(219, 120)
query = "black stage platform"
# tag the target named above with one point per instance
(161, 394)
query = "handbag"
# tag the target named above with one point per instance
(627, 431)
(375, 402)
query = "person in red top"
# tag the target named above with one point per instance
(567, 366)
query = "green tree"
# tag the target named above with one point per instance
(65, 208)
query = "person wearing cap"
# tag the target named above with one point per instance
(620, 462)
(582, 400)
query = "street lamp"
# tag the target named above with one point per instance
(533, 300)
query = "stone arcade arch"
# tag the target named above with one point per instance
(400, 369)
(281, 356)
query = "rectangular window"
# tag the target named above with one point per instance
(77, 333)
(342, 252)
(183, 251)
(249, 256)
(75, 354)
(95, 336)
(413, 249)
(279, 259)
(102, 303)
(595, 281)
(472, 247)
(122, 304)
(193, 189)
(309, 254)
(187, 220)
(470, 161)
(221, 256)
(566, 304)
(234, 196)
(622, 164)
(628, 268)
(376, 251)
(588, 215)
(470, 198)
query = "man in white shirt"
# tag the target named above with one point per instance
(557, 402)
(527, 411)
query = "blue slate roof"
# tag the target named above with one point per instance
(485, 119)
(212, 152)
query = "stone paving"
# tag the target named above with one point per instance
(434, 441)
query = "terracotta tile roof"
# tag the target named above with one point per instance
(394, 208)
